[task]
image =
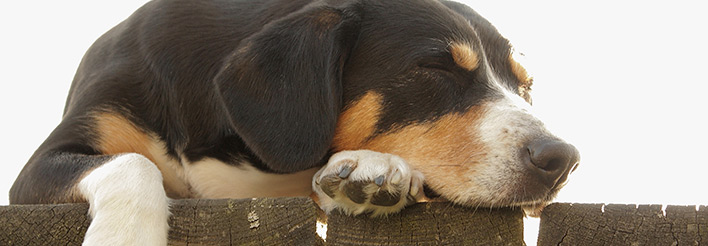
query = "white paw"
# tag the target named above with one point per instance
(128, 204)
(366, 181)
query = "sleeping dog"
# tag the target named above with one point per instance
(369, 105)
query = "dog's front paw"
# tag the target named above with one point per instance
(366, 181)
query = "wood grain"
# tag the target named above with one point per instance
(261, 221)
(62, 224)
(429, 224)
(619, 224)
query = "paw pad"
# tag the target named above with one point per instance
(359, 181)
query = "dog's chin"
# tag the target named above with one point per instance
(531, 209)
(534, 210)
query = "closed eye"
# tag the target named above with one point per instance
(442, 62)
(443, 69)
(434, 65)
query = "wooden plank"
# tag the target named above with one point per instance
(262, 221)
(429, 224)
(617, 224)
(62, 224)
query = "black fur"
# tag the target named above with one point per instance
(282, 86)
(404, 56)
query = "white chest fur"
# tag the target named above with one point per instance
(211, 178)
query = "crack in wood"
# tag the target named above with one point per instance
(587, 224)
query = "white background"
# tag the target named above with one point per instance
(624, 81)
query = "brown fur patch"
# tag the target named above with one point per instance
(327, 19)
(324, 21)
(117, 135)
(357, 122)
(464, 56)
(446, 151)
(525, 80)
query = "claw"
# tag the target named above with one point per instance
(346, 170)
(379, 180)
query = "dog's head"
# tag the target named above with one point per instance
(430, 81)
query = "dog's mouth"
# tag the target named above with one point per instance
(535, 209)
(531, 209)
(430, 193)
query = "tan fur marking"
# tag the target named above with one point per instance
(324, 21)
(446, 151)
(358, 122)
(327, 19)
(525, 80)
(117, 135)
(464, 56)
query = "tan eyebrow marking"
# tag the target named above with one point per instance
(464, 56)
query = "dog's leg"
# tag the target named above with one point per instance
(128, 204)
(366, 181)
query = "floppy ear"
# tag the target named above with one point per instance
(282, 86)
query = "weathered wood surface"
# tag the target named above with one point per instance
(429, 224)
(63, 224)
(262, 221)
(588, 224)
(291, 221)
(277, 221)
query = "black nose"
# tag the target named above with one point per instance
(553, 160)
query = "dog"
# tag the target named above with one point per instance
(367, 105)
